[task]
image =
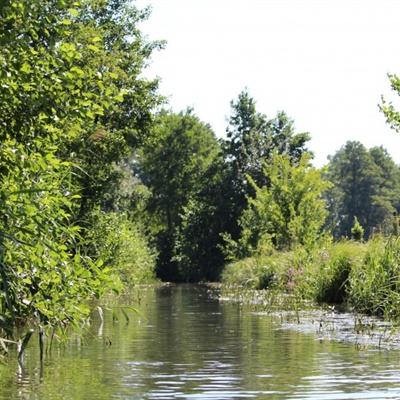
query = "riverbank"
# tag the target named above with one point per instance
(359, 277)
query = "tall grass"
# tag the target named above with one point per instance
(364, 277)
(326, 271)
(375, 283)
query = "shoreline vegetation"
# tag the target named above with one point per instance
(102, 187)
(362, 278)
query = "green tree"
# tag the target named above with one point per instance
(357, 231)
(122, 54)
(199, 240)
(387, 107)
(365, 185)
(61, 84)
(174, 165)
(252, 138)
(289, 211)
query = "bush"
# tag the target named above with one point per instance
(320, 274)
(357, 231)
(120, 244)
(265, 271)
(251, 272)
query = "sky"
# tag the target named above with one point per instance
(323, 62)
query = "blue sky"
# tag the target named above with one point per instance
(324, 62)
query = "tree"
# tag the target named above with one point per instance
(42, 102)
(252, 139)
(289, 211)
(121, 127)
(387, 107)
(357, 231)
(199, 241)
(66, 85)
(365, 186)
(174, 165)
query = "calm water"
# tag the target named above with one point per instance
(184, 344)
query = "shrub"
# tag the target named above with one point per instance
(120, 244)
(251, 272)
(357, 231)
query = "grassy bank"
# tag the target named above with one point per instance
(362, 277)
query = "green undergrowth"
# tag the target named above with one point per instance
(122, 246)
(361, 277)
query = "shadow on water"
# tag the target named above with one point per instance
(182, 343)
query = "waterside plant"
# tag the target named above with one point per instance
(360, 277)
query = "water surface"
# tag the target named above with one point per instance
(185, 344)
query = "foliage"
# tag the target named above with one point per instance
(387, 107)
(290, 210)
(71, 103)
(43, 275)
(366, 185)
(120, 243)
(326, 272)
(270, 270)
(357, 231)
(199, 185)
(126, 122)
(375, 284)
(196, 240)
(320, 274)
(199, 242)
(175, 166)
(248, 273)
(362, 276)
(253, 138)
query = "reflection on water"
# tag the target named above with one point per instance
(184, 344)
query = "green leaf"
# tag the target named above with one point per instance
(74, 12)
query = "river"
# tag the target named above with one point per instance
(182, 343)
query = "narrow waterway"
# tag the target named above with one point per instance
(182, 343)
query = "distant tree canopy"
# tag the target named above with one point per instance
(366, 186)
(174, 164)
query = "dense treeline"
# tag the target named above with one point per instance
(101, 186)
(213, 200)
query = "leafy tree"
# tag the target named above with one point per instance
(174, 166)
(122, 126)
(64, 89)
(253, 138)
(387, 107)
(365, 185)
(199, 241)
(289, 211)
